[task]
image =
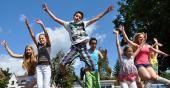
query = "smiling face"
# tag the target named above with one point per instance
(78, 16)
(139, 38)
(28, 50)
(42, 39)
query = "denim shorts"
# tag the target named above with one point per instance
(142, 65)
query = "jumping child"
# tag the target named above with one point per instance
(78, 36)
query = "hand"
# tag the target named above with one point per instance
(156, 42)
(4, 43)
(45, 7)
(26, 20)
(116, 32)
(110, 8)
(121, 28)
(166, 55)
(38, 21)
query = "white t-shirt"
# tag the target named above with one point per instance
(77, 31)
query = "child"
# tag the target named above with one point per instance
(43, 68)
(128, 73)
(78, 36)
(29, 63)
(93, 77)
(153, 56)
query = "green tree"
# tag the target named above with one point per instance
(59, 80)
(4, 77)
(104, 69)
(116, 69)
(150, 16)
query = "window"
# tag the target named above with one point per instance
(12, 83)
(23, 82)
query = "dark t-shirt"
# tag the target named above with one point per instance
(44, 53)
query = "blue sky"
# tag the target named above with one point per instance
(13, 29)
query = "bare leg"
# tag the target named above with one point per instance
(143, 73)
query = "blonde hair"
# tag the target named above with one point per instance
(29, 63)
(135, 39)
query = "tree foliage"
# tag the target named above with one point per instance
(4, 77)
(116, 69)
(152, 17)
(59, 80)
(104, 69)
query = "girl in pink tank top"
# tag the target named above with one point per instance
(143, 56)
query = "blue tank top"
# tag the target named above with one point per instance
(95, 57)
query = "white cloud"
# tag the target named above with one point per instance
(14, 65)
(22, 17)
(60, 41)
(100, 37)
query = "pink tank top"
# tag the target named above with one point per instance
(143, 55)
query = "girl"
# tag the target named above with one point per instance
(153, 56)
(43, 68)
(78, 36)
(145, 70)
(29, 63)
(128, 73)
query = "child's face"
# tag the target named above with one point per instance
(77, 17)
(42, 39)
(151, 53)
(129, 52)
(28, 51)
(93, 44)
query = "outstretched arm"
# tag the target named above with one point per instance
(45, 8)
(4, 43)
(118, 45)
(158, 51)
(38, 21)
(100, 15)
(30, 31)
(121, 28)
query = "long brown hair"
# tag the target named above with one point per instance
(29, 62)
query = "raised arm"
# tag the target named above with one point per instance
(100, 55)
(38, 21)
(158, 51)
(121, 28)
(4, 43)
(45, 8)
(30, 31)
(156, 46)
(119, 50)
(100, 15)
